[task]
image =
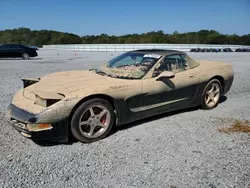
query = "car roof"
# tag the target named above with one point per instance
(158, 51)
(12, 44)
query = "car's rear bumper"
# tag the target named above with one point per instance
(20, 119)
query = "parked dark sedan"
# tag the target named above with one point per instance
(17, 50)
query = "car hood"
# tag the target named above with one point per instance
(71, 81)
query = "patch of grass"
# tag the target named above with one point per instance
(242, 126)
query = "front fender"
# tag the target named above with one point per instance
(63, 108)
(58, 111)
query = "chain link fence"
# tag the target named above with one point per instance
(129, 47)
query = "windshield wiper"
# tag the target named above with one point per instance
(99, 72)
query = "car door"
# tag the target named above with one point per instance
(8, 50)
(1, 47)
(4, 51)
(171, 93)
(16, 50)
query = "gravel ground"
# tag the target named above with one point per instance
(180, 149)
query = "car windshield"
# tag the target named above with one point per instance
(130, 65)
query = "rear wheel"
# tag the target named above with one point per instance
(211, 94)
(92, 120)
(25, 56)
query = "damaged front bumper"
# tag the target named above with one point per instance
(26, 124)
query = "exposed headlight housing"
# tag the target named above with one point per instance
(47, 99)
(29, 81)
(45, 102)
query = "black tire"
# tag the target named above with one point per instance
(25, 56)
(204, 105)
(75, 127)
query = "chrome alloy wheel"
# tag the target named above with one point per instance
(94, 121)
(212, 95)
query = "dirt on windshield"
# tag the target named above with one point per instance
(128, 71)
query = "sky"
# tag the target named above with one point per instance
(119, 17)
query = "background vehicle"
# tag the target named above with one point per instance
(131, 86)
(242, 50)
(17, 50)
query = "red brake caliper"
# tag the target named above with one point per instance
(103, 119)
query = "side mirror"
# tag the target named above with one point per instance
(166, 74)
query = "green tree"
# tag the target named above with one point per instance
(42, 37)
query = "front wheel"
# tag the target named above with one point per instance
(25, 56)
(92, 120)
(211, 94)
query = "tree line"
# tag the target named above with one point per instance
(45, 37)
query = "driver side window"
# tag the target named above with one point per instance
(174, 63)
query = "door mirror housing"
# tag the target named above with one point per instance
(166, 74)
